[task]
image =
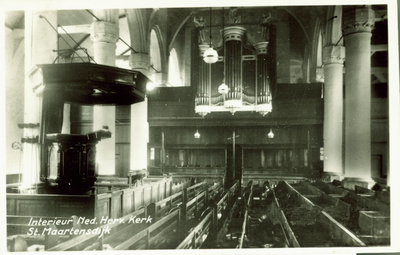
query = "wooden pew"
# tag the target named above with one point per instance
(248, 203)
(214, 219)
(155, 236)
(341, 234)
(330, 204)
(116, 237)
(199, 233)
(95, 241)
(159, 234)
(17, 225)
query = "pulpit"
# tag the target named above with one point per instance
(68, 161)
(72, 159)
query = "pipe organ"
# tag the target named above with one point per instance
(246, 73)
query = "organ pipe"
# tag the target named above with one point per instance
(263, 81)
(233, 37)
(204, 84)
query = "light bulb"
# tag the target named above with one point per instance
(210, 56)
(270, 134)
(197, 134)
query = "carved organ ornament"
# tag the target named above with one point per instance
(243, 88)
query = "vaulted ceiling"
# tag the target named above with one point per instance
(74, 28)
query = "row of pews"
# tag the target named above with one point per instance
(308, 214)
(107, 204)
(182, 220)
(276, 214)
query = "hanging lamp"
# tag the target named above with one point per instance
(197, 134)
(270, 134)
(210, 55)
(223, 89)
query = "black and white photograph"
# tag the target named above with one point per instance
(260, 127)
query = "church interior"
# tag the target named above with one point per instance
(198, 128)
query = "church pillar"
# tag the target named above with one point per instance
(358, 24)
(333, 58)
(41, 42)
(139, 125)
(38, 28)
(105, 34)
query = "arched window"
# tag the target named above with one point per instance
(174, 76)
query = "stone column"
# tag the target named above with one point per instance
(358, 24)
(139, 125)
(333, 58)
(40, 43)
(105, 34)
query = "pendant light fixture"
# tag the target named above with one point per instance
(210, 55)
(197, 134)
(223, 89)
(270, 134)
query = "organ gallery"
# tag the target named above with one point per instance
(251, 127)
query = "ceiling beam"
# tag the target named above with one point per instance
(380, 15)
(378, 47)
(382, 77)
(75, 29)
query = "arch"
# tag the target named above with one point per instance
(157, 54)
(138, 29)
(179, 29)
(333, 28)
(316, 47)
(298, 21)
(319, 48)
(174, 75)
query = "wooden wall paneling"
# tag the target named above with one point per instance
(11, 206)
(122, 159)
(102, 205)
(169, 188)
(116, 204)
(50, 205)
(138, 198)
(154, 193)
(122, 133)
(68, 206)
(35, 206)
(128, 201)
(147, 195)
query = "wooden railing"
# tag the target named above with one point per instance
(96, 241)
(249, 203)
(198, 235)
(337, 232)
(121, 202)
(213, 221)
(157, 231)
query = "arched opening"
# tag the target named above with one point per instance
(174, 77)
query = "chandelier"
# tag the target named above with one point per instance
(246, 74)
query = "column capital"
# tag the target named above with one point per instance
(203, 48)
(358, 20)
(333, 55)
(140, 62)
(234, 33)
(102, 31)
(261, 48)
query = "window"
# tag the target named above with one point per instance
(174, 77)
